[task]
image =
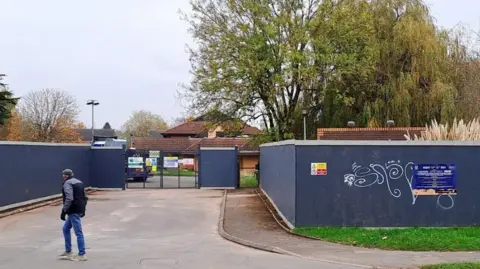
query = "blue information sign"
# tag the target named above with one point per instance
(434, 179)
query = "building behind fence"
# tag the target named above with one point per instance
(368, 183)
(30, 171)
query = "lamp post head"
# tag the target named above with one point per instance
(304, 112)
(92, 103)
(351, 124)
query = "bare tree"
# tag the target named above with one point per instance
(48, 113)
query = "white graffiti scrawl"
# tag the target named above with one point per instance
(385, 174)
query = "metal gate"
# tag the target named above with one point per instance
(219, 168)
(162, 170)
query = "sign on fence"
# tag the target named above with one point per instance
(188, 161)
(319, 169)
(154, 154)
(170, 162)
(135, 162)
(151, 162)
(434, 179)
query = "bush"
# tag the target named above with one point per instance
(459, 130)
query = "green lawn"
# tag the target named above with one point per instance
(245, 181)
(183, 173)
(248, 181)
(460, 265)
(415, 239)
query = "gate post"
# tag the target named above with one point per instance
(162, 157)
(237, 158)
(199, 168)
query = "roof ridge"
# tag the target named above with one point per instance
(370, 129)
(176, 126)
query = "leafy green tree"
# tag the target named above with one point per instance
(264, 59)
(364, 60)
(7, 101)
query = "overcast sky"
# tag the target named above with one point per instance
(128, 54)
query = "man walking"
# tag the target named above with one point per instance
(74, 206)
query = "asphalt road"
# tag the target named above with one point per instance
(169, 182)
(137, 229)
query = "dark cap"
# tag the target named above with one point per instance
(67, 172)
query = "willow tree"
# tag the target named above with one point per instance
(269, 59)
(411, 81)
(464, 67)
(363, 60)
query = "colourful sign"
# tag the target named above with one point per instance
(151, 162)
(319, 169)
(135, 162)
(434, 179)
(188, 161)
(170, 162)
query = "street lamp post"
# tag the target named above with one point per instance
(304, 113)
(93, 103)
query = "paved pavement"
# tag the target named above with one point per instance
(246, 217)
(137, 229)
(169, 182)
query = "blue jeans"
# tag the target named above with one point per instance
(74, 221)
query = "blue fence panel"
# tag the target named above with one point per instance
(371, 185)
(277, 177)
(32, 171)
(107, 168)
(218, 168)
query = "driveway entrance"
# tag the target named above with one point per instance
(137, 229)
(162, 170)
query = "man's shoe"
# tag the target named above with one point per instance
(66, 255)
(79, 258)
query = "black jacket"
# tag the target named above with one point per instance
(74, 197)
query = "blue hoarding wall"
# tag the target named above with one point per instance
(372, 184)
(107, 168)
(218, 168)
(32, 171)
(277, 177)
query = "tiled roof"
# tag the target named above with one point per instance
(396, 133)
(190, 145)
(176, 145)
(191, 127)
(250, 130)
(157, 134)
(197, 127)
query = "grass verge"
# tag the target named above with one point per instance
(175, 173)
(460, 265)
(248, 182)
(414, 239)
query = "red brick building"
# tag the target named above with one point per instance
(185, 139)
(393, 133)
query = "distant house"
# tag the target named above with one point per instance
(185, 139)
(202, 128)
(185, 147)
(86, 134)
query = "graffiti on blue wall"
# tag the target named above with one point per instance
(387, 174)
